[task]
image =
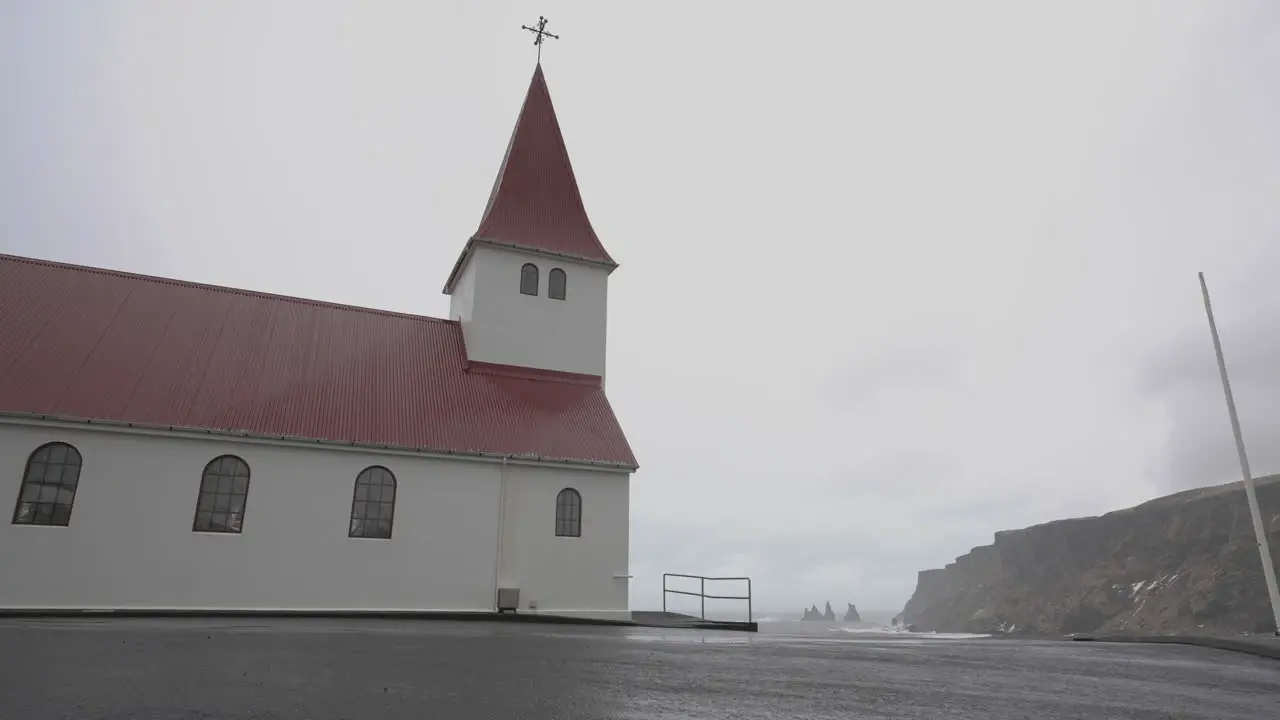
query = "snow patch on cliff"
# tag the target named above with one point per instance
(1150, 587)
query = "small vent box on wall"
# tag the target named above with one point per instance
(508, 599)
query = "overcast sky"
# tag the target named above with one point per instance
(894, 276)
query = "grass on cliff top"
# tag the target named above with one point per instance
(1206, 492)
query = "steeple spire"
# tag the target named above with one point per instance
(535, 200)
(535, 203)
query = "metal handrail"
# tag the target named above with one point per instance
(703, 591)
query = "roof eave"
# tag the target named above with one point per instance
(322, 442)
(608, 263)
(458, 265)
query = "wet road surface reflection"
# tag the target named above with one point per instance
(311, 668)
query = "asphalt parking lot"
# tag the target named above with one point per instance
(365, 669)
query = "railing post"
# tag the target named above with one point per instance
(704, 598)
(748, 599)
(664, 593)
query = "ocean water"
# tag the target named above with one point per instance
(866, 630)
(882, 618)
(786, 623)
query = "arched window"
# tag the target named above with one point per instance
(555, 284)
(374, 504)
(568, 513)
(224, 487)
(529, 279)
(48, 487)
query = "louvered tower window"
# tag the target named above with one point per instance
(529, 279)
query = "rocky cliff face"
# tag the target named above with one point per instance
(1185, 563)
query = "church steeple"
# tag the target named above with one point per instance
(535, 203)
(531, 287)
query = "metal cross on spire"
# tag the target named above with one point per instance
(540, 34)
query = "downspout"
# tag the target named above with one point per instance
(502, 518)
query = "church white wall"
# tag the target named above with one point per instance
(580, 575)
(462, 300)
(502, 326)
(130, 543)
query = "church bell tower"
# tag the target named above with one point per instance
(530, 287)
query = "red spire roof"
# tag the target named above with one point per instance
(535, 201)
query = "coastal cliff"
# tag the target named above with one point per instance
(1184, 563)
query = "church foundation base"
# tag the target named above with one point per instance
(481, 615)
(579, 617)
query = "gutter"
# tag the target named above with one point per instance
(21, 418)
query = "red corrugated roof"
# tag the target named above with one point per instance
(535, 201)
(78, 342)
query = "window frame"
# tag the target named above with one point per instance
(570, 526)
(524, 275)
(31, 521)
(355, 492)
(200, 493)
(551, 283)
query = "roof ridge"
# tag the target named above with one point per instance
(221, 288)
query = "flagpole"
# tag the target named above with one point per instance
(1259, 530)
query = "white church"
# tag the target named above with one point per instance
(172, 446)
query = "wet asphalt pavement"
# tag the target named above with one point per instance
(370, 669)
